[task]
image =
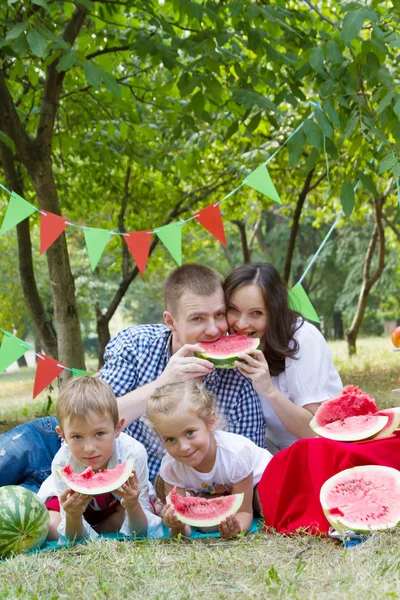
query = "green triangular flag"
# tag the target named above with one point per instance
(18, 209)
(171, 237)
(261, 181)
(96, 241)
(298, 300)
(10, 350)
(79, 372)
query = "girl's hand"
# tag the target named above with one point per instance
(129, 492)
(255, 367)
(230, 527)
(171, 520)
(73, 503)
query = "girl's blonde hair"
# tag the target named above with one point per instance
(84, 395)
(188, 395)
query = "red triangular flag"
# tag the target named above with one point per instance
(47, 369)
(210, 218)
(51, 227)
(138, 243)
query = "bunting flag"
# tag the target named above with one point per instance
(171, 237)
(261, 181)
(96, 241)
(12, 348)
(299, 301)
(18, 209)
(138, 243)
(51, 227)
(211, 219)
(47, 369)
(80, 373)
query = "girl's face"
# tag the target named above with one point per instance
(246, 311)
(188, 439)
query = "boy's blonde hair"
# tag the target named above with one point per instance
(83, 395)
(170, 397)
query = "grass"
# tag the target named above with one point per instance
(257, 566)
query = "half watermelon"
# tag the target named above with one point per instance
(94, 484)
(204, 512)
(362, 499)
(224, 351)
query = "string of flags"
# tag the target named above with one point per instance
(47, 368)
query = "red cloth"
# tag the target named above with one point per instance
(98, 509)
(289, 488)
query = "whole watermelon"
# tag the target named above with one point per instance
(24, 520)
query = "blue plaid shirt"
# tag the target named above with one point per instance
(138, 355)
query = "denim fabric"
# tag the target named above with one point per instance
(26, 453)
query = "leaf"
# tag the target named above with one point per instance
(313, 134)
(387, 162)
(233, 127)
(396, 109)
(352, 24)
(32, 75)
(312, 159)
(254, 122)
(42, 3)
(323, 122)
(94, 75)
(37, 43)
(111, 84)
(66, 61)
(384, 103)
(249, 99)
(350, 126)
(17, 30)
(331, 148)
(197, 103)
(58, 41)
(296, 147)
(317, 60)
(333, 53)
(368, 184)
(347, 198)
(331, 111)
(7, 141)
(87, 4)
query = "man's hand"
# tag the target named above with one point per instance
(183, 366)
(73, 503)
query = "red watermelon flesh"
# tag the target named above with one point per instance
(224, 352)
(204, 512)
(92, 483)
(350, 402)
(393, 415)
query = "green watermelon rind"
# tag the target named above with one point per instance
(24, 521)
(341, 524)
(103, 489)
(227, 361)
(212, 521)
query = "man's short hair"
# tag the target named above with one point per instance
(84, 395)
(190, 277)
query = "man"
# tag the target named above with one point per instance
(140, 359)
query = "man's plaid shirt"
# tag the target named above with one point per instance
(138, 355)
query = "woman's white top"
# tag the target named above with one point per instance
(125, 447)
(236, 458)
(309, 377)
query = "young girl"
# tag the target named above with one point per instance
(202, 460)
(292, 372)
(90, 426)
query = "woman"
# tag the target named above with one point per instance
(292, 372)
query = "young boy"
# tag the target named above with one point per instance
(90, 426)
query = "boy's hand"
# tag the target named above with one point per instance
(129, 492)
(73, 503)
(230, 527)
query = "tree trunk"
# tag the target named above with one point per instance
(32, 298)
(369, 280)
(22, 361)
(243, 239)
(104, 336)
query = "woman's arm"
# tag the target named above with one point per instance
(295, 418)
(242, 520)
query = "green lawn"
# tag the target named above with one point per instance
(257, 566)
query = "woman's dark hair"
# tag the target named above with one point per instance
(278, 342)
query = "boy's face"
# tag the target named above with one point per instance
(91, 440)
(198, 319)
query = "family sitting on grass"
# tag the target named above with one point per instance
(170, 400)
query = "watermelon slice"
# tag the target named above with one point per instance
(362, 499)
(94, 484)
(204, 512)
(349, 403)
(353, 429)
(224, 351)
(393, 423)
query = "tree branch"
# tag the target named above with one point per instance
(319, 13)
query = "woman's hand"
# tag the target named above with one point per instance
(255, 367)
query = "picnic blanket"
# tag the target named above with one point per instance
(290, 486)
